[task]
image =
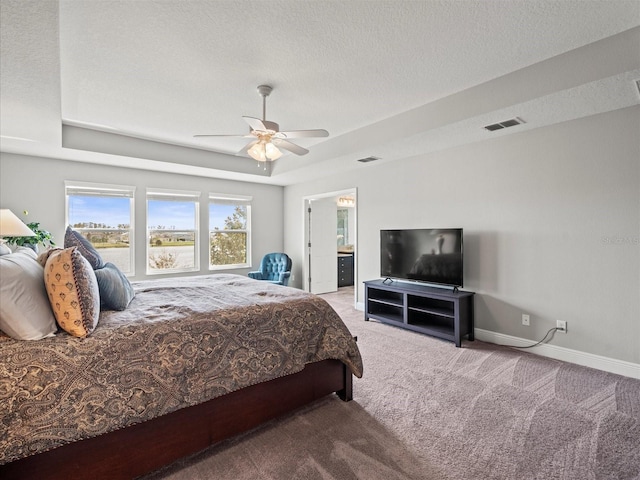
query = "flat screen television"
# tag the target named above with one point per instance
(424, 255)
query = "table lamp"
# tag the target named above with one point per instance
(11, 226)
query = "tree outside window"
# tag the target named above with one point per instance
(229, 232)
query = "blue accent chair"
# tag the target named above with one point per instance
(274, 268)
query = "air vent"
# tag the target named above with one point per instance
(368, 159)
(505, 124)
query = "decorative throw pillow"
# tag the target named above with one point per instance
(25, 313)
(44, 256)
(88, 251)
(73, 291)
(116, 291)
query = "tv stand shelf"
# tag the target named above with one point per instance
(439, 312)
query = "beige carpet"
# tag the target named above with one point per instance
(427, 410)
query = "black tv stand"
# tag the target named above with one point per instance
(439, 312)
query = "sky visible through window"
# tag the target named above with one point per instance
(112, 211)
(171, 215)
(218, 214)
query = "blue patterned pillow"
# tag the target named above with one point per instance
(88, 251)
(116, 291)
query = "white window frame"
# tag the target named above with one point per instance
(227, 199)
(74, 188)
(174, 196)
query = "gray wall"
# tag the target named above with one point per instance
(37, 185)
(551, 219)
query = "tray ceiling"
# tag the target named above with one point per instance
(386, 78)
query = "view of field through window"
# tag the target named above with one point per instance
(171, 234)
(106, 222)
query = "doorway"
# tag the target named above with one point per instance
(330, 239)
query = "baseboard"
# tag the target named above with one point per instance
(599, 362)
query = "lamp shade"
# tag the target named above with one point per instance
(272, 152)
(12, 226)
(264, 151)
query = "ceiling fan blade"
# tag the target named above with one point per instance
(305, 133)
(255, 123)
(246, 148)
(287, 145)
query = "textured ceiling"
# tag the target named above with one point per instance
(166, 70)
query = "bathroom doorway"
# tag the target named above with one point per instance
(330, 241)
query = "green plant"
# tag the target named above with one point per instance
(42, 237)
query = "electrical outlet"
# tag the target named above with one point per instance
(525, 319)
(293, 277)
(561, 325)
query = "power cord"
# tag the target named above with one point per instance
(538, 343)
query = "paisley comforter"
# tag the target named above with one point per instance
(181, 341)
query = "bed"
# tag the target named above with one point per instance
(191, 361)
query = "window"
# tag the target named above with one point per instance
(172, 231)
(103, 214)
(229, 231)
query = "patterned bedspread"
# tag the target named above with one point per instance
(180, 342)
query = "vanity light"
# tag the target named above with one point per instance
(346, 202)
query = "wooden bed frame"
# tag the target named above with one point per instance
(148, 446)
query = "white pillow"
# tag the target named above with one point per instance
(25, 312)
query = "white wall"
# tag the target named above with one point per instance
(37, 185)
(551, 219)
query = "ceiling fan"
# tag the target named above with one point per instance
(267, 135)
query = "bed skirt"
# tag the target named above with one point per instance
(148, 446)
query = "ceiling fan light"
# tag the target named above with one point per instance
(264, 151)
(272, 152)
(257, 152)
